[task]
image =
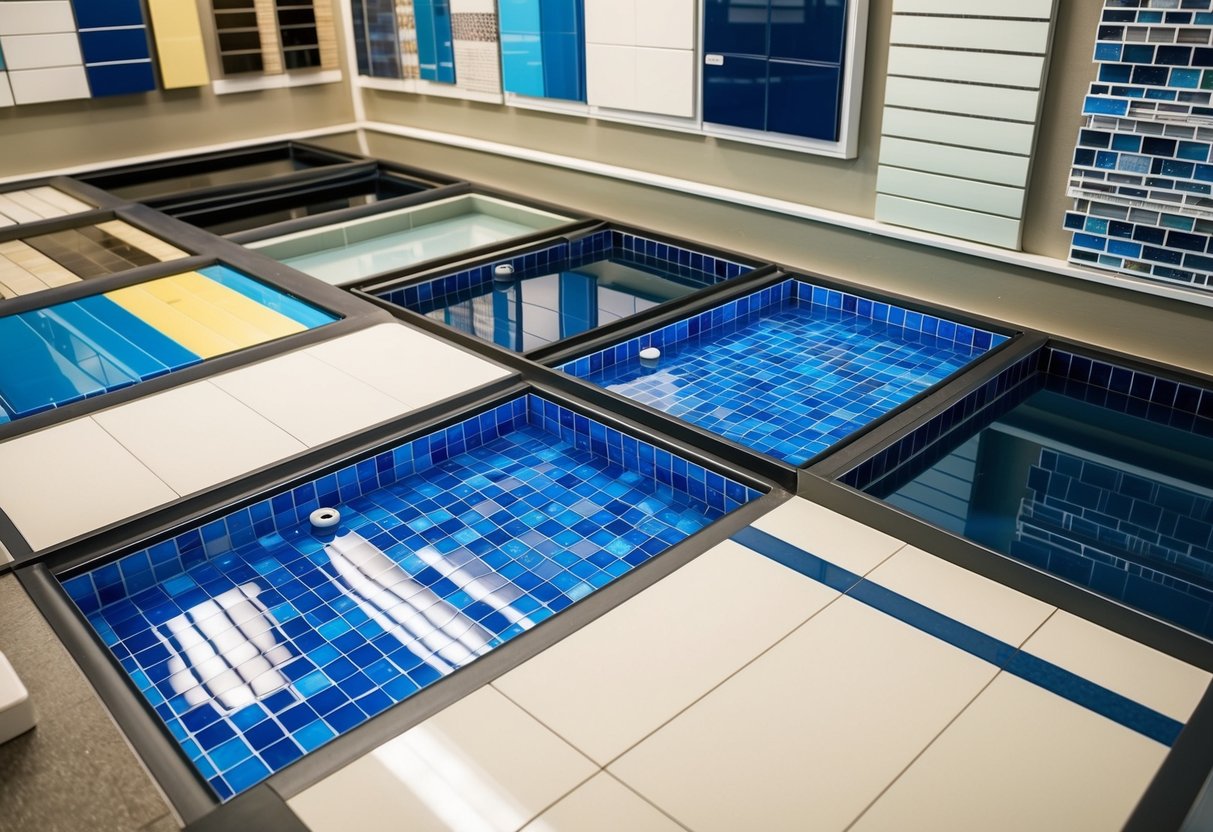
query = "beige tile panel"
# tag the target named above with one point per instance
(141, 240)
(602, 805)
(326, 34)
(612, 683)
(267, 25)
(65, 202)
(480, 764)
(1143, 674)
(811, 732)
(16, 211)
(829, 535)
(33, 201)
(73, 478)
(983, 604)
(1021, 758)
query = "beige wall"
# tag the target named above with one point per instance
(40, 137)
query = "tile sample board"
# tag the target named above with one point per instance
(34, 204)
(177, 31)
(543, 48)
(274, 36)
(113, 40)
(961, 110)
(42, 54)
(640, 55)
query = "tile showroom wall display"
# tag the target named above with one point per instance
(630, 44)
(1142, 178)
(543, 48)
(264, 36)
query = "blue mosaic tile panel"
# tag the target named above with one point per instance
(1143, 157)
(789, 370)
(257, 639)
(641, 252)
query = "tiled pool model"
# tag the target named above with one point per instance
(158, 179)
(36, 204)
(60, 354)
(257, 637)
(789, 370)
(1096, 473)
(59, 258)
(351, 251)
(562, 290)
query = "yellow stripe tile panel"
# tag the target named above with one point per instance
(142, 240)
(179, 46)
(269, 323)
(174, 322)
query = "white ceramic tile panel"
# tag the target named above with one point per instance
(480, 764)
(17, 212)
(667, 24)
(611, 21)
(962, 83)
(41, 51)
(74, 478)
(68, 204)
(948, 190)
(827, 534)
(966, 163)
(665, 81)
(6, 91)
(950, 222)
(33, 86)
(950, 130)
(640, 56)
(602, 805)
(612, 683)
(35, 201)
(32, 17)
(812, 731)
(610, 73)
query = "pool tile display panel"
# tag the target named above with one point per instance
(257, 638)
(71, 351)
(565, 289)
(1093, 472)
(543, 48)
(35, 204)
(42, 261)
(790, 370)
(1142, 174)
(114, 42)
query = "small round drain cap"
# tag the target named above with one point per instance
(650, 354)
(324, 518)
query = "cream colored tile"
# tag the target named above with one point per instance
(827, 534)
(480, 764)
(73, 478)
(197, 436)
(5, 557)
(811, 732)
(612, 683)
(309, 399)
(1021, 758)
(407, 364)
(969, 598)
(1141, 673)
(602, 805)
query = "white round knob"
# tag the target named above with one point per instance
(324, 518)
(503, 271)
(650, 354)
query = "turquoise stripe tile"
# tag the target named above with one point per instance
(137, 362)
(147, 338)
(267, 296)
(34, 376)
(79, 348)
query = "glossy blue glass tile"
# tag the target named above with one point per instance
(732, 30)
(151, 341)
(94, 14)
(734, 92)
(1098, 105)
(564, 66)
(803, 99)
(522, 63)
(120, 79)
(35, 376)
(816, 33)
(435, 49)
(272, 298)
(114, 45)
(135, 362)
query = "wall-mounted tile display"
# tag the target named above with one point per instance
(34, 204)
(6, 90)
(477, 55)
(113, 40)
(543, 48)
(274, 36)
(177, 32)
(640, 55)
(42, 51)
(1142, 175)
(435, 47)
(961, 109)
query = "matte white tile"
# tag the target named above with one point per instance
(669, 24)
(611, 21)
(1141, 673)
(412, 366)
(33, 86)
(811, 732)
(197, 436)
(31, 17)
(674, 94)
(41, 51)
(6, 91)
(610, 76)
(73, 478)
(613, 682)
(1021, 758)
(983, 604)
(829, 535)
(308, 398)
(480, 764)
(602, 805)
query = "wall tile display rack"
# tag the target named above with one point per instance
(113, 39)
(632, 44)
(42, 56)
(264, 36)
(180, 50)
(1142, 177)
(961, 109)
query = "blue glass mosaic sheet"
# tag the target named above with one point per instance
(558, 291)
(789, 370)
(1096, 473)
(257, 638)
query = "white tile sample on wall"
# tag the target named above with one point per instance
(474, 33)
(640, 55)
(961, 110)
(41, 52)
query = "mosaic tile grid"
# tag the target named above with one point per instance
(640, 252)
(257, 640)
(789, 370)
(1143, 157)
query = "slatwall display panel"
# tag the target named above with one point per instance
(640, 55)
(180, 50)
(1143, 167)
(41, 49)
(114, 43)
(962, 104)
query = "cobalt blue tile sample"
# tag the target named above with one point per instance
(435, 46)
(113, 40)
(803, 99)
(735, 92)
(815, 32)
(729, 30)
(256, 638)
(789, 370)
(564, 289)
(1094, 472)
(543, 48)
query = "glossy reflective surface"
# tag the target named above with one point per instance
(235, 175)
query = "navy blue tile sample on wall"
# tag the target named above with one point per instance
(377, 38)
(735, 92)
(802, 99)
(736, 30)
(113, 41)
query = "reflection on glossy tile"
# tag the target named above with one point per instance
(812, 731)
(602, 805)
(481, 764)
(613, 682)
(980, 603)
(828, 535)
(1021, 758)
(1145, 675)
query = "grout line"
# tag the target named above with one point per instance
(646, 800)
(136, 457)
